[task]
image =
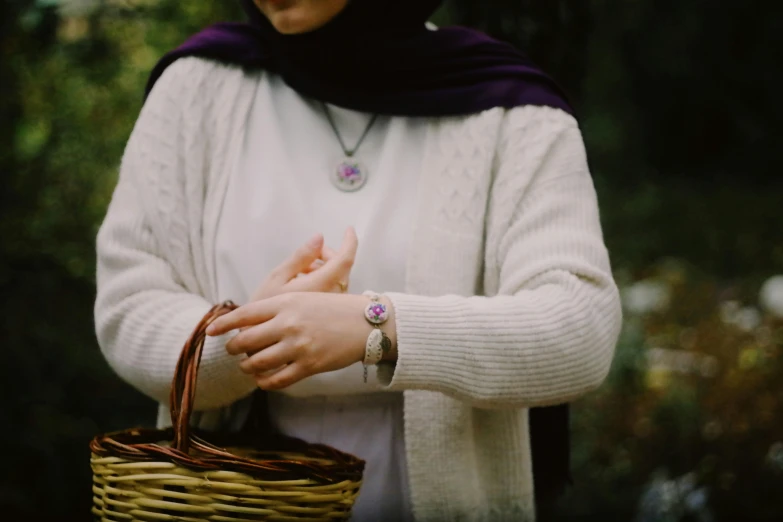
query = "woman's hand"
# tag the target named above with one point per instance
(292, 336)
(312, 268)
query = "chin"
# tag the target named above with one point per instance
(291, 22)
(300, 16)
(290, 29)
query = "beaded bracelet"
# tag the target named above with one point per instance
(378, 343)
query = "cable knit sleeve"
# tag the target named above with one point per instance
(549, 334)
(149, 297)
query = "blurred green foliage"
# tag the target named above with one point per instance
(677, 102)
(694, 391)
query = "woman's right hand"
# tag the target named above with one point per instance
(313, 267)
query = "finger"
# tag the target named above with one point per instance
(328, 253)
(316, 282)
(318, 263)
(271, 358)
(283, 378)
(250, 314)
(300, 260)
(350, 244)
(255, 338)
(339, 267)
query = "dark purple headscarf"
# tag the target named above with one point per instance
(377, 56)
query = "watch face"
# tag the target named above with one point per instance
(376, 313)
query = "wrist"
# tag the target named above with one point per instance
(381, 344)
(390, 329)
(363, 328)
(384, 321)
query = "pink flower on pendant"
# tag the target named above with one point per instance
(349, 171)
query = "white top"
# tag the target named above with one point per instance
(506, 212)
(279, 196)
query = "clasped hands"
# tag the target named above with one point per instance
(299, 322)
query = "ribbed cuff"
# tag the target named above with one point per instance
(418, 350)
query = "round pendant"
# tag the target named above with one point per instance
(349, 176)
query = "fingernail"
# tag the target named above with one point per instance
(210, 329)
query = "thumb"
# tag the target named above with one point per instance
(338, 267)
(349, 246)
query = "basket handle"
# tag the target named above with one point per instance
(183, 388)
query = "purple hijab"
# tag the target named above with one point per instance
(377, 56)
(400, 68)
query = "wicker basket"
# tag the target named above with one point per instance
(176, 475)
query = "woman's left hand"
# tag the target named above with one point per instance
(293, 336)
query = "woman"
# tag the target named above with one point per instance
(452, 161)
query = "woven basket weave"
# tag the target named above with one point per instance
(176, 475)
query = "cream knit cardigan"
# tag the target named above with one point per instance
(506, 210)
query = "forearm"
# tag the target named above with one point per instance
(144, 312)
(142, 336)
(540, 347)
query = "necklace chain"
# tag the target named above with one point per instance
(348, 152)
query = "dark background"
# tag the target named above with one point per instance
(679, 104)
